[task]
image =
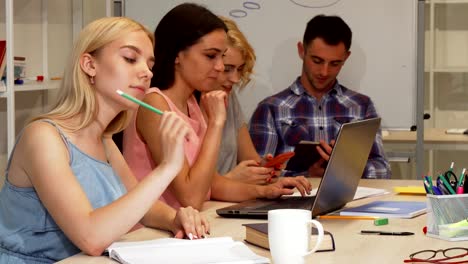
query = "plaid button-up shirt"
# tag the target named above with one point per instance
(282, 120)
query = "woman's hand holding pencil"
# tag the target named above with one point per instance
(189, 135)
(173, 129)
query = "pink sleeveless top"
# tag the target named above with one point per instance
(138, 155)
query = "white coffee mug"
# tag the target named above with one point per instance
(289, 233)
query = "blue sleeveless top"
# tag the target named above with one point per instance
(28, 234)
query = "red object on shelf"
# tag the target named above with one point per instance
(40, 78)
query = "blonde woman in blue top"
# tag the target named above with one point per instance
(68, 188)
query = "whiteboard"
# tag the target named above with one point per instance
(382, 64)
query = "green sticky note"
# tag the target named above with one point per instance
(381, 221)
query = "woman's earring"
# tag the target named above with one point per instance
(91, 79)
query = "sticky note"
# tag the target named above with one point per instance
(410, 190)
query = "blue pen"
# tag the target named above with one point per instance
(436, 191)
(428, 180)
(440, 185)
(428, 184)
(443, 183)
(427, 188)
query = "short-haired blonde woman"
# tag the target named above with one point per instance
(68, 188)
(238, 158)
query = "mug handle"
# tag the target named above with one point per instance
(319, 227)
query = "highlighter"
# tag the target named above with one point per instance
(460, 189)
(455, 229)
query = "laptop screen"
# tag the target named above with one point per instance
(346, 165)
(339, 182)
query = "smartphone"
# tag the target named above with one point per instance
(306, 155)
(279, 159)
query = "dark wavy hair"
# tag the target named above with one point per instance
(180, 28)
(332, 29)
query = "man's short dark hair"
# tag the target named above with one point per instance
(332, 29)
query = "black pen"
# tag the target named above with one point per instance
(383, 233)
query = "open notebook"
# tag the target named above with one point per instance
(175, 251)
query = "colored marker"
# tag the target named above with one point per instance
(460, 182)
(447, 184)
(453, 230)
(436, 190)
(428, 188)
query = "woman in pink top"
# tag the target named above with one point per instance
(190, 43)
(138, 155)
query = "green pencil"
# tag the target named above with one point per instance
(133, 99)
(460, 181)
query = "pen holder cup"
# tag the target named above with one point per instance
(447, 216)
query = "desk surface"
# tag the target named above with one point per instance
(351, 247)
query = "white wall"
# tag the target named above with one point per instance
(93, 9)
(383, 53)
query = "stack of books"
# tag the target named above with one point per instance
(257, 234)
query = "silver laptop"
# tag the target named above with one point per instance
(339, 182)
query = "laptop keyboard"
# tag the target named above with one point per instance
(290, 202)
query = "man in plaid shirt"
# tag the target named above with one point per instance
(315, 105)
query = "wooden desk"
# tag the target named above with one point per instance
(434, 138)
(440, 147)
(351, 247)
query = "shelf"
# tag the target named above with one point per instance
(31, 29)
(448, 70)
(34, 86)
(448, 1)
(451, 69)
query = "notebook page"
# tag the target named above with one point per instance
(210, 250)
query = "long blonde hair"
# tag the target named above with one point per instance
(237, 40)
(77, 96)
